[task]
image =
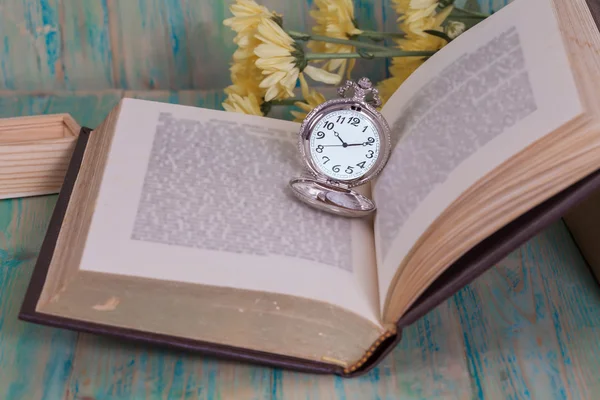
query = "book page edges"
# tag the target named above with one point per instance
(73, 233)
(500, 244)
(582, 132)
(258, 321)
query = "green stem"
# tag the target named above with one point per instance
(285, 102)
(466, 18)
(380, 35)
(348, 42)
(368, 55)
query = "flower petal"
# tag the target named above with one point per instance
(270, 50)
(304, 86)
(272, 79)
(321, 75)
(271, 93)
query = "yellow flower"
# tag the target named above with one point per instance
(420, 19)
(334, 18)
(280, 58)
(312, 98)
(244, 95)
(414, 23)
(245, 78)
(420, 4)
(401, 6)
(246, 17)
(245, 75)
(246, 105)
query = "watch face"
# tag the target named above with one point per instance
(344, 144)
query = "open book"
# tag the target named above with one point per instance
(175, 224)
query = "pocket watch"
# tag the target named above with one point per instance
(343, 143)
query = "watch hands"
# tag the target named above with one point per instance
(360, 144)
(337, 135)
(347, 145)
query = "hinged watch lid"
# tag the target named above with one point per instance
(332, 198)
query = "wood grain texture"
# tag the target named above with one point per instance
(528, 328)
(148, 44)
(36, 362)
(532, 324)
(34, 154)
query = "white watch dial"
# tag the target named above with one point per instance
(344, 145)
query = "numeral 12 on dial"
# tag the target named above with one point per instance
(344, 145)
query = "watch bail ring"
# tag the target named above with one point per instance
(360, 90)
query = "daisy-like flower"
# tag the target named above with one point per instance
(247, 14)
(249, 104)
(415, 23)
(334, 18)
(245, 78)
(244, 94)
(312, 98)
(281, 60)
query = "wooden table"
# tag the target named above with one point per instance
(528, 328)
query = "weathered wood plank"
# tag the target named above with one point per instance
(111, 369)
(166, 45)
(573, 303)
(172, 45)
(87, 108)
(429, 363)
(87, 49)
(30, 45)
(531, 324)
(35, 361)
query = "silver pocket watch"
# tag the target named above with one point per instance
(344, 143)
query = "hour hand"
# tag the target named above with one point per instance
(337, 135)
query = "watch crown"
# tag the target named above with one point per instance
(365, 83)
(361, 89)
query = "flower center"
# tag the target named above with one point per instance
(298, 54)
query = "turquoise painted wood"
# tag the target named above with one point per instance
(35, 362)
(145, 44)
(528, 328)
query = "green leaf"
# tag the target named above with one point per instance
(438, 34)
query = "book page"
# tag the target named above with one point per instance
(495, 90)
(201, 196)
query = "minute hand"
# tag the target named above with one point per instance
(360, 144)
